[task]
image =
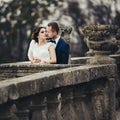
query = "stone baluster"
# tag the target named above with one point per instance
(23, 115)
(98, 101)
(54, 105)
(38, 108)
(5, 111)
(67, 106)
(103, 94)
(82, 102)
(22, 106)
(112, 99)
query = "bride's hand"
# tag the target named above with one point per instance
(36, 61)
(43, 62)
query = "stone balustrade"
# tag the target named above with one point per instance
(61, 93)
(19, 69)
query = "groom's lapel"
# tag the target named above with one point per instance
(58, 44)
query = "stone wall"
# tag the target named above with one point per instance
(74, 93)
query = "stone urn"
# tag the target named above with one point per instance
(65, 32)
(101, 41)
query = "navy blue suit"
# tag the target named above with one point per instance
(62, 51)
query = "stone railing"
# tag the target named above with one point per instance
(76, 93)
(19, 69)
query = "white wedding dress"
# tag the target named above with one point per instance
(39, 51)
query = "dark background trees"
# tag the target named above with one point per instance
(18, 18)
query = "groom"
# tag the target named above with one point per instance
(61, 46)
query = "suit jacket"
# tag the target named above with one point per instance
(62, 51)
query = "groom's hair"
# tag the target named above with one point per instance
(55, 26)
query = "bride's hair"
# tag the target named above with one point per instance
(35, 33)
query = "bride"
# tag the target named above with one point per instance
(40, 51)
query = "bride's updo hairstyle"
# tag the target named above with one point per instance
(35, 33)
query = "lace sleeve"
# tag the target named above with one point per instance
(31, 47)
(49, 44)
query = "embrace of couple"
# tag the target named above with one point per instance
(47, 46)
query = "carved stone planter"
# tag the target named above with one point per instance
(65, 32)
(101, 41)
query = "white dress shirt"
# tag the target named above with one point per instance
(56, 40)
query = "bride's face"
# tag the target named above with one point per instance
(42, 33)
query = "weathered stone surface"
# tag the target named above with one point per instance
(14, 70)
(40, 82)
(71, 93)
(83, 60)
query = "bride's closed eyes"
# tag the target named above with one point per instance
(42, 31)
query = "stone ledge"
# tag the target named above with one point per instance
(83, 60)
(79, 60)
(19, 69)
(16, 88)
